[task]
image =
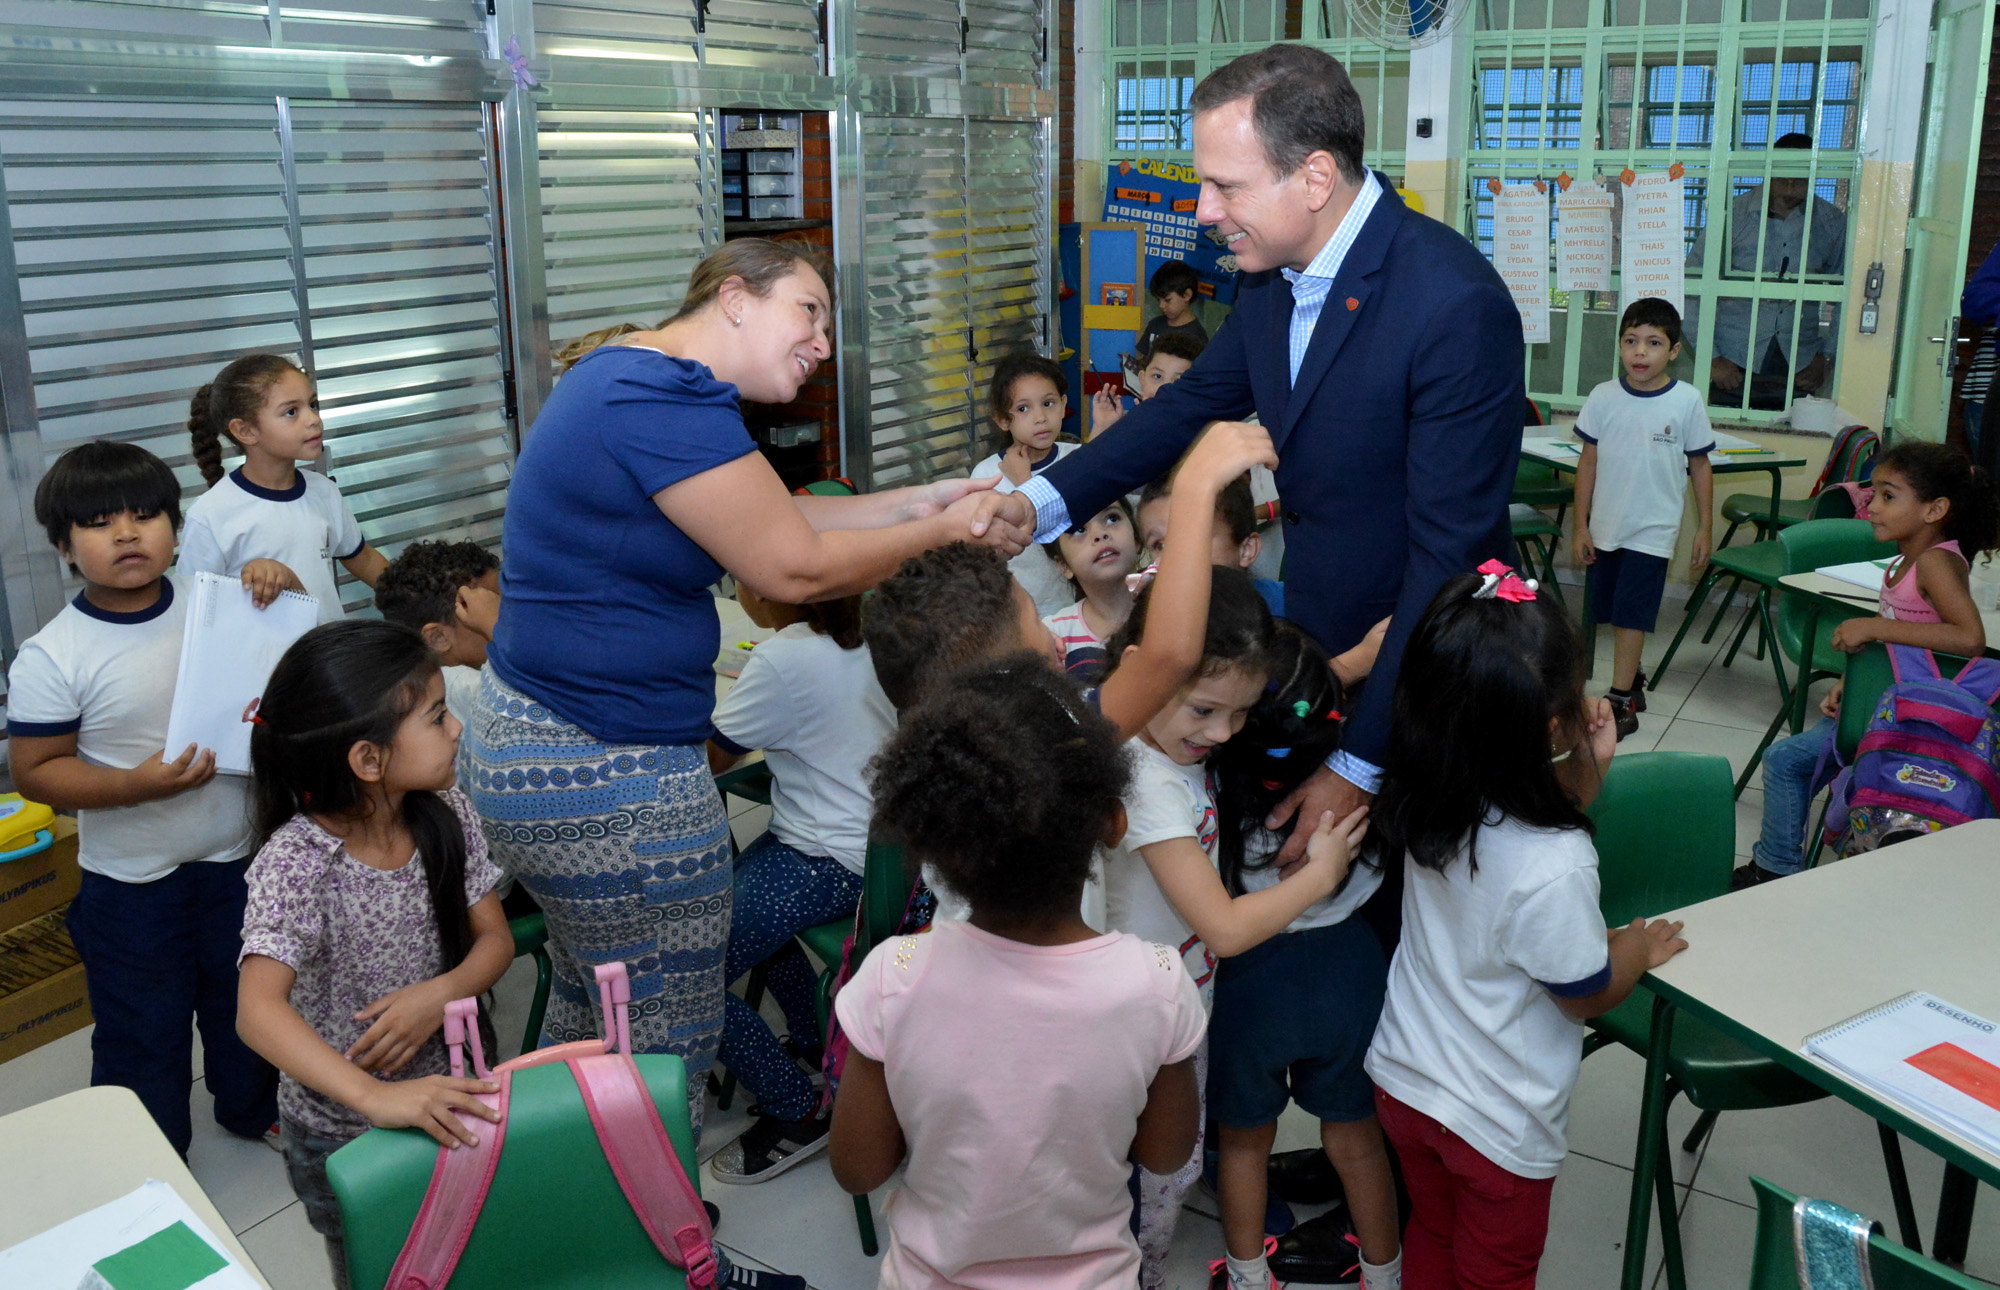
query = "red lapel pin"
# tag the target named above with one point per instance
(1352, 304)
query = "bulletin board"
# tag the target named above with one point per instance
(1112, 288)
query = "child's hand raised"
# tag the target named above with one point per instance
(1105, 410)
(1225, 450)
(267, 578)
(434, 1104)
(403, 1019)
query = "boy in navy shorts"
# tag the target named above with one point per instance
(1645, 436)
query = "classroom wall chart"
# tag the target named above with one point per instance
(1583, 247)
(1521, 252)
(1653, 262)
(1160, 195)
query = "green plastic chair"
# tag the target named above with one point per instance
(531, 937)
(1645, 870)
(1539, 485)
(1774, 1264)
(577, 1236)
(1808, 546)
(1760, 565)
(1535, 537)
(829, 488)
(1854, 458)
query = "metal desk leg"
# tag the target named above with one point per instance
(1777, 484)
(1954, 1221)
(1652, 1142)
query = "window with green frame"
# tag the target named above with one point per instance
(1594, 87)
(1160, 50)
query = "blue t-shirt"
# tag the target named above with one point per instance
(605, 611)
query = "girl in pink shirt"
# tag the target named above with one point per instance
(1016, 1063)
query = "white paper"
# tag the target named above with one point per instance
(1876, 1051)
(228, 650)
(1866, 574)
(60, 1258)
(1521, 254)
(1549, 446)
(1583, 248)
(1653, 249)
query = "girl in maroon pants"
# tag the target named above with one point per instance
(1494, 754)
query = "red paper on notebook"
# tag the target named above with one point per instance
(1973, 1076)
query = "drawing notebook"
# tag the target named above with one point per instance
(228, 649)
(1922, 1053)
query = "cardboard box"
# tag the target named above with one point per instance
(44, 1011)
(33, 885)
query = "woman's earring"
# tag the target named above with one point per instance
(735, 320)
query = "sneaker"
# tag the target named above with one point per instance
(274, 1138)
(742, 1278)
(1750, 875)
(1218, 1271)
(1320, 1251)
(769, 1147)
(1639, 691)
(1626, 713)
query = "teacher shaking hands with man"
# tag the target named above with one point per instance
(1380, 350)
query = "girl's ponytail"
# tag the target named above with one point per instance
(234, 395)
(206, 434)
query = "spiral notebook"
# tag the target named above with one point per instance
(228, 650)
(1926, 1055)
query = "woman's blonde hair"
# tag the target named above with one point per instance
(758, 261)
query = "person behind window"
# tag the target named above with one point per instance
(1763, 346)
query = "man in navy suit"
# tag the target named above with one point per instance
(1378, 347)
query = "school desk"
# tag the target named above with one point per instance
(70, 1154)
(1774, 963)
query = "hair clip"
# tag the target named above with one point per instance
(1498, 582)
(1302, 709)
(1136, 582)
(250, 713)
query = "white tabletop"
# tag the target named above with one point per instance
(1849, 594)
(1786, 959)
(73, 1153)
(1732, 453)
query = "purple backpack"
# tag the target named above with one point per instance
(1930, 758)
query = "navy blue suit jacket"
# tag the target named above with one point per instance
(1397, 446)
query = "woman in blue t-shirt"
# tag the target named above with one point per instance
(637, 487)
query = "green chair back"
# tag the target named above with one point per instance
(579, 1235)
(1644, 868)
(1868, 675)
(1812, 545)
(1774, 1263)
(885, 894)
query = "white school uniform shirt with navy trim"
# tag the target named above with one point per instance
(305, 528)
(820, 716)
(1166, 801)
(1645, 440)
(108, 679)
(1471, 1034)
(1040, 576)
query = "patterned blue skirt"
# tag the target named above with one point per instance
(626, 848)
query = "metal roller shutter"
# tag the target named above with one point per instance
(1007, 244)
(908, 38)
(395, 210)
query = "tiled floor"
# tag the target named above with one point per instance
(803, 1223)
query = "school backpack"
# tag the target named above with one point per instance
(547, 1123)
(1930, 757)
(1850, 459)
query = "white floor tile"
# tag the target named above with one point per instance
(56, 1068)
(288, 1252)
(1744, 697)
(1697, 736)
(1585, 1249)
(800, 1222)
(246, 1180)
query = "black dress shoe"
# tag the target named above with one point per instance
(1751, 874)
(1303, 1177)
(1321, 1251)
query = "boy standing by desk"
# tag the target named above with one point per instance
(1645, 435)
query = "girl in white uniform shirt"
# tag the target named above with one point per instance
(1493, 756)
(277, 526)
